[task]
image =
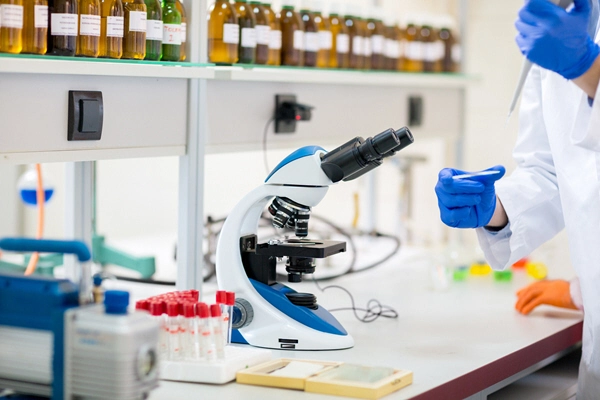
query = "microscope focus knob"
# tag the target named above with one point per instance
(243, 313)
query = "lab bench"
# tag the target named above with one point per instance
(463, 342)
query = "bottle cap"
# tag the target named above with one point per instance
(116, 302)
(142, 305)
(189, 310)
(221, 297)
(202, 310)
(172, 309)
(97, 280)
(215, 310)
(230, 299)
(156, 308)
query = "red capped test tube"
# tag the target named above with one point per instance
(174, 333)
(217, 328)
(205, 332)
(230, 304)
(189, 335)
(157, 310)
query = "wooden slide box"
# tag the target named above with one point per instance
(320, 383)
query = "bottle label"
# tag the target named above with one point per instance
(343, 43)
(325, 40)
(114, 26)
(298, 40)
(368, 47)
(137, 21)
(263, 34)
(378, 42)
(441, 49)
(249, 37)
(414, 51)
(154, 29)
(172, 34)
(231, 33)
(311, 42)
(357, 46)
(275, 40)
(402, 46)
(41, 17)
(89, 25)
(64, 24)
(183, 32)
(12, 16)
(456, 53)
(388, 51)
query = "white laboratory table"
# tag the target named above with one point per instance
(464, 341)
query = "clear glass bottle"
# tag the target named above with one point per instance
(63, 27)
(223, 33)
(311, 36)
(356, 37)
(88, 41)
(111, 28)
(377, 31)
(181, 9)
(325, 36)
(292, 31)
(247, 22)
(413, 57)
(134, 41)
(275, 38)
(263, 32)
(171, 43)
(154, 30)
(11, 26)
(35, 27)
(339, 55)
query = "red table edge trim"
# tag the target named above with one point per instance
(505, 367)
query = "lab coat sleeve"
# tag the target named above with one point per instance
(530, 195)
(588, 137)
(575, 291)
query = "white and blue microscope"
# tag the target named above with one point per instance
(267, 313)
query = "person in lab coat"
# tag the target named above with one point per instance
(557, 182)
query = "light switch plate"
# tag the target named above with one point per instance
(86, 115)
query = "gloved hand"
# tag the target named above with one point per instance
(467, 203)
(556, 39)
(555, 293)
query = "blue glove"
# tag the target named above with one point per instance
(556, 39)
(467, 203)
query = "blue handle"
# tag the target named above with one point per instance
(47, 246)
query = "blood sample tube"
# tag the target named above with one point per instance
(189, 336)
(230, 304)
(217, 328)
(174, 334)
(205, 332)
(157, 311)
(142, 305)
(221, 299)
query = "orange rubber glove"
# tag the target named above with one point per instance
(555, 293)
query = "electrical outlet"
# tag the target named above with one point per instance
(283, 125)
(415, 111)
(86, 115)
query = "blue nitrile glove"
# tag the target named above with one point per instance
(467, 203)
(556, 39)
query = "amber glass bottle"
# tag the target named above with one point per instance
(154, 30)
(247, 22)
(325, 37)
(431, 53)
(367, 45)
(182, 11)
(134, 43)
(399, 35)
(263, 32)
(413, 56)
(35, 27)
(377, 31)
(223, 33)
(356, 35)
(311, 38)
(63, 27)
(111, 28)
(338, 57)
(88, 41)
(451, 58)
(11, 26)
(274, 35)
(292, 31)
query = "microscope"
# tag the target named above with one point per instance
(270, 314)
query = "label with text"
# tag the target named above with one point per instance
(64, 24)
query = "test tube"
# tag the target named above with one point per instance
(217, 328)
(174, 334)
(221, 299)
(157, 311)
(142, 305)
(205, 337)
(189, 336)
(230, 304)
(222, 302)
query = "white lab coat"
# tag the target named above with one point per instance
(556, 186)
